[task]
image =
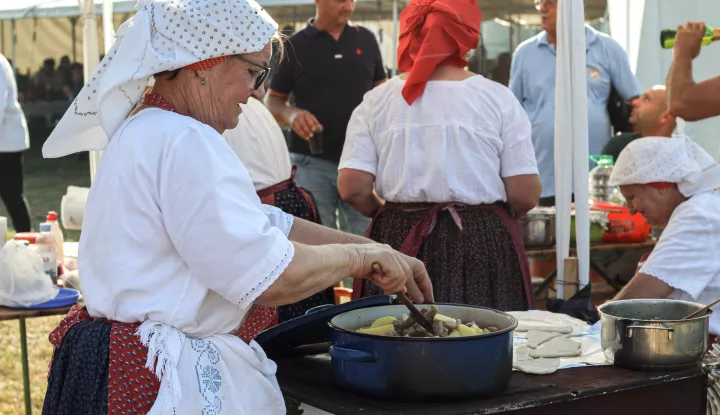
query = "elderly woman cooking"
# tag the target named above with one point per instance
(181, 264)
(674, 183)
(442, 159)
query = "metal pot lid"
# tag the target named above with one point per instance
(312, 328)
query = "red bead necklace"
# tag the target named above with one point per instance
(155, 100)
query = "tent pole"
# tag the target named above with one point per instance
(73, 30)
(108, 26)
(91, 60)
(395, 36)
(13, 39)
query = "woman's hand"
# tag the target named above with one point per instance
(419, 286)
(399, 273)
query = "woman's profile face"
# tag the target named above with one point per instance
(233, 82)
(654, 204)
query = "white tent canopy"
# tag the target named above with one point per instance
(22, 9)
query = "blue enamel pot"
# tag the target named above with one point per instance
(422, 369)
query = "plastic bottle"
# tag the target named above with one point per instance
(45, 246)
(56, 230)
(599, 178)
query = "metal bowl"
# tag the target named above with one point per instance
(538, 230)
(651, 335)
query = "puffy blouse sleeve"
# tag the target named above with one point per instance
(518, 155)
(359, 150)
(685, 257)
(278, 218)
(231, 242)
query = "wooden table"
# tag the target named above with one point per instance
(601, 247)
(21, 315)
(588, 391)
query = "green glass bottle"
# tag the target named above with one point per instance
(667, 37)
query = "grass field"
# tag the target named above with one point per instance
(45, 183)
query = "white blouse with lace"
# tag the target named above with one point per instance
(174, 232)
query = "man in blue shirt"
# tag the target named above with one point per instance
(532, 80)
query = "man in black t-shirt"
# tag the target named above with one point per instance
(328, 67)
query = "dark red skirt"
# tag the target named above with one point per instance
(294, 200)
(476, 257)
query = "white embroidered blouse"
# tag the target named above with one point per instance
(174, 231)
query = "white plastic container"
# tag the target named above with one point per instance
(46, 247)
(56, 230)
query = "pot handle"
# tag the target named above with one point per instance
(670, 330)
(319, 308)
(351, 355)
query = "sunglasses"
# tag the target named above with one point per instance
(262, 76)
(539, 3)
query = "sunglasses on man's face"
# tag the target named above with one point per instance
(264, 71)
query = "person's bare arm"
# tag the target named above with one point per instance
(309, 233)
(357, 188)
(644, 286)
(523, 192)
(687, 99)
(314, 268)
(301, 121)
(280, 107)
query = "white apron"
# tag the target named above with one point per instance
(216, 375)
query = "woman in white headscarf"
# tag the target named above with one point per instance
(181, 264)
(674, 183)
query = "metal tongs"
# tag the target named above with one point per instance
(414, 312)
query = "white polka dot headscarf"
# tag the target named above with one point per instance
(662, 162)
(163, 35)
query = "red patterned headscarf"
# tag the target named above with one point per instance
(435, 33)
(207, 63)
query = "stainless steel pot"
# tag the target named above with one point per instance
(538, 229)
(649, 334)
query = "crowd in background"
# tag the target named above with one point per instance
(53, 81)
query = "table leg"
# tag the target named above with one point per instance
(601, 272)
(25, 370)
(548, 280)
